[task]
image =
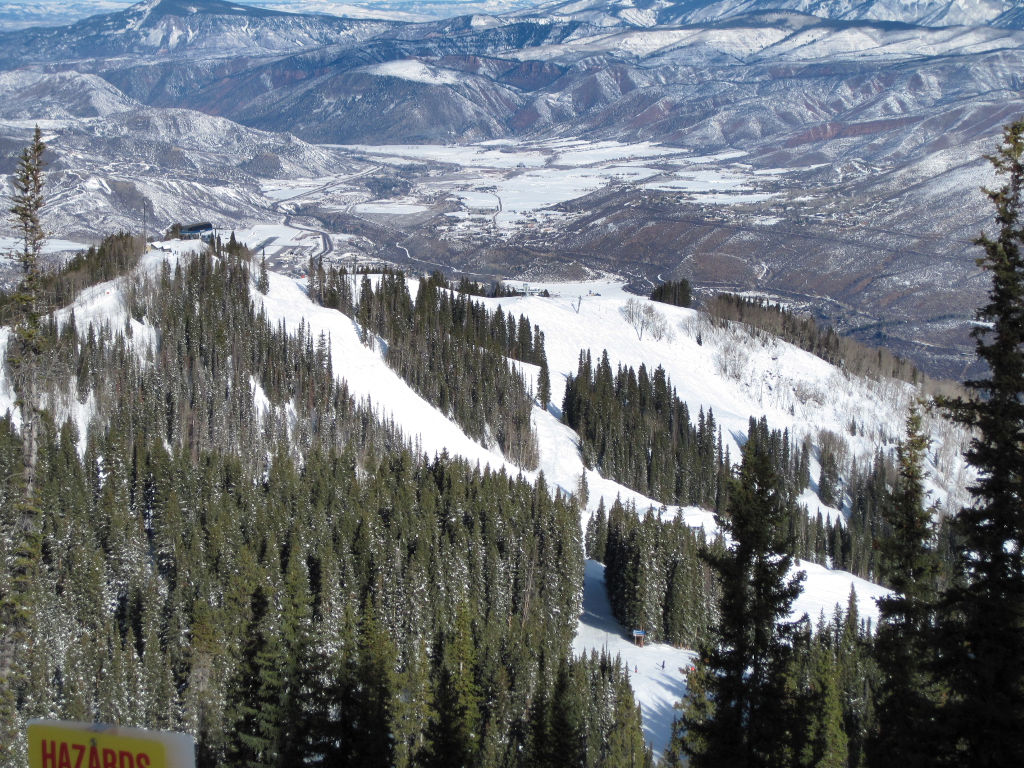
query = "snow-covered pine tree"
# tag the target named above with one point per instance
(544, 384)
(263, 281)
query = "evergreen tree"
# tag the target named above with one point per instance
(597, 534)
(544, 384)
(568, 726)
(375, 688)
(982, 621)
(412, 707)
(694, 722)
(828, 479)
(906, 697)
(27, 347)
(20, 528)
(257, 692)
(301, 702)
(626, 747)
(824, 740)
(583, 491)
(750, 723)
(856, 677)
(454, 736)
(263, 281)
(27, 205)
(364, 314)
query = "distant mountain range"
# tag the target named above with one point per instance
(881, 112)
(716, 74)
(20, 14)
(928, 13)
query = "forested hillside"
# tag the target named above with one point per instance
(257, 557)
(451, 350)
(236, 548)
(204, 529)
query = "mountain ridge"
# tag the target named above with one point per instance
(927, 13)
(175, 28)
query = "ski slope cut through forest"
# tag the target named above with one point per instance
(726, 370)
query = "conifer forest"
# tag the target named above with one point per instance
(236, 547)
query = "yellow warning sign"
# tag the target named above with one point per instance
(55, 744)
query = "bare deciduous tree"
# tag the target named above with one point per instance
(633, 312)
(644, 317)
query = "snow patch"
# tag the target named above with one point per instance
(415, 71)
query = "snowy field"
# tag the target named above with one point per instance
(286, 190)
(527, 178)
(282, 240)
(489, 155)
(792, 388)
(9, 246)
(415, 71)
(499, 188)
(391, 207)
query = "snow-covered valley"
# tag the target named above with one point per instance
(848, 140)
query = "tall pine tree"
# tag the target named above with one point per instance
(749, 724)
(20, 526)
(906, 696)
(982, 620)
(257, 692)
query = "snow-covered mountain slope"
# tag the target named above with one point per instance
(114, 162)
(573, 68)
(26, 96)
(19, 14)
(180, 28)
(737, 375)
(397, 10)
(729, 372)
(751, 41)
(648, 13)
